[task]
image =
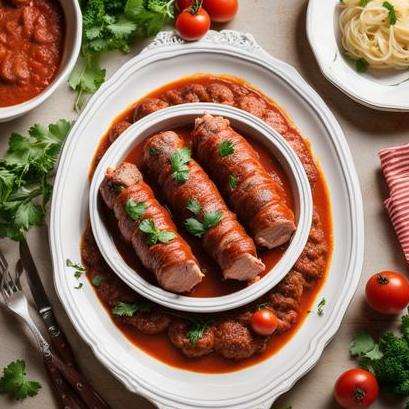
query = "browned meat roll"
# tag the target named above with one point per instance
(196, 200)
(251, 191)
(149, 228)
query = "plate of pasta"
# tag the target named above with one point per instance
(366, 49)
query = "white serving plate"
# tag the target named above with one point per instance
(251, 126)
(167, 59)
(377, 89)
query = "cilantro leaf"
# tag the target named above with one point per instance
(361, 344)
(179, 160)
(226, 148)
(15, 383)
(233, 182)
(194, 206)
(154, 236)
(391, 12)
(196, 332)
(197, 228)
(320, 307)
(135, 210)
(79, 271)
(129, 310)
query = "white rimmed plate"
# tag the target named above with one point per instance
(377, 89)
(167, 59)
(181, 115)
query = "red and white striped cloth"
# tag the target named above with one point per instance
(395, 167)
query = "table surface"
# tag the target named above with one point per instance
(279, 27)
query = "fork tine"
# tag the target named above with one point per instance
(3, 263)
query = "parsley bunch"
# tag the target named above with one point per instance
(15, 383)
(113, 25)
(388, 358)
(24, 177)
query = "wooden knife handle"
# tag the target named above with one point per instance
(80, 385)
(65, 394)
(57, 338)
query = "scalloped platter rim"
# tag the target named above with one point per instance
(167, 58)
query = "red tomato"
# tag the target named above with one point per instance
(356, 389)
(221, 11)
(264, 322)
(183, 4)
(193, 25)
(388, 292)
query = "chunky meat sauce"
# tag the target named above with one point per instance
(31, 47)
(226, 341)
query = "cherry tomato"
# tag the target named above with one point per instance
(388, 292)
(193, 24)
(356, 389)
(183, 4)
(264, 322)
(221, 11)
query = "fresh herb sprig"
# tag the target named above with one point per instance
(226, 148)
(179, 161)
(25, 171)
(196, 331)
(79, 271)
(135, 210)
(194, 226)
(153, 235)
(123, 309)
(233, 182)
(113, 25)
(14, 381)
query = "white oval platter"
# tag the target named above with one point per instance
(168, 59)
(250, 125)
(377, 89)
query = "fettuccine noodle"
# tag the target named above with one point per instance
(368, 32)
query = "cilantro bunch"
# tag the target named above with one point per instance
(388, 358)
(24, 177)
(113, 25)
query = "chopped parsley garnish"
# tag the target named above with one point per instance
(154, 236)
(118, 188)
(79, 271)
(196, 331)
(97, 280)
(320, 307)
(226, 148)
(25, 172)
(391, 12)
(153, 151)
(233, 182)
(123, 309)
(179, 160)
(194, 206)
(14, 381)
(361, 65)
(135, 210)
(363, 3)
(198, 229)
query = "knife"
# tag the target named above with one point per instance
(57, 338)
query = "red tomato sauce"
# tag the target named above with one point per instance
(31, 48)
(160, 346)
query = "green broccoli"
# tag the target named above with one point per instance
(388, 358)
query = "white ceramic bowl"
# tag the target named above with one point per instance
(242, 121)
(72, 46)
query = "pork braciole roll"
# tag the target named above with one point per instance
(249, 189)
(149, 228)
(194, 198)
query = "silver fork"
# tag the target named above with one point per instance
(16, 301)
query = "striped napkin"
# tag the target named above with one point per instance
(395, 167)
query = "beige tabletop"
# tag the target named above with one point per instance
(279, 26)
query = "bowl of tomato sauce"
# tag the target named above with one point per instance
(40, 41)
